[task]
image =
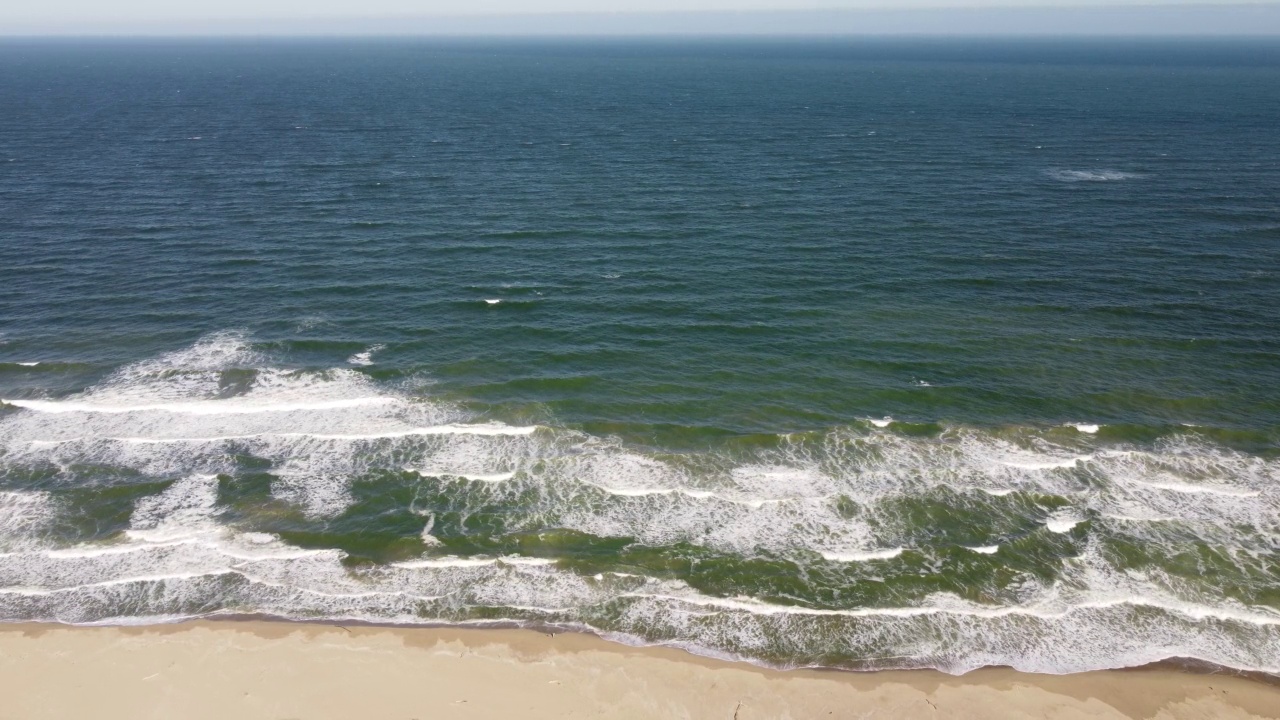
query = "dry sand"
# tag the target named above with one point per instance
(280, 671)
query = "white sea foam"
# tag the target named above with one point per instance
(1086, 428)
(197, 407)
(29, 364)
(1063, 521)
(493, 301)
(1091, 175)
(148, 542)
(1047, 464)
(884, 423)
(427, 537)
(951, 605)
(485, 429)
(102, 584)
(862, 556)
(829, 494)
(24, 515)
(478, 477)
(1182, 487)
(186, 503)
(446, 562)
(388, 582)
(456, 562)
(636, 492)
(1136, 519)
(1052, 633)
(365, 357)
(985, 549)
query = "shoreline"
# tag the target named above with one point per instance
(1184, 665)
(243, 667)
(1187, 665)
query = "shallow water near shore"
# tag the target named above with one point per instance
(861, 354)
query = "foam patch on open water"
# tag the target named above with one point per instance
(1072, 176)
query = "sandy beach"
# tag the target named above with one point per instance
(284, 670)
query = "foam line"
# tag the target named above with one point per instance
(80, 552)
(1134, 519)
(490, 478)
(493, 429)
(995, 492)
(457, 562)
(1048, 464)
(1196, 489)
(114, 582)
(695, 494)
(198, 407)
(756, 607)
(863, 556)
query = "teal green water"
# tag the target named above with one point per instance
(858, 353)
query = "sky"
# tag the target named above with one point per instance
(636, 16)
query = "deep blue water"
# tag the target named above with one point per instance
(601, 334)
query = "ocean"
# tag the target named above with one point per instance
(859, 353)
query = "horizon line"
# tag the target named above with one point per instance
(1137, 19)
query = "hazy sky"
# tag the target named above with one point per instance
(78, 10)
(55, 16)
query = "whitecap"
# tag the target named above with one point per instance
(1054, 464)
(997, 492)
(863, 556)
(1062, 521)
(1190, 489)
(365, 358)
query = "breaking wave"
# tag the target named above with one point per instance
(210, 481)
